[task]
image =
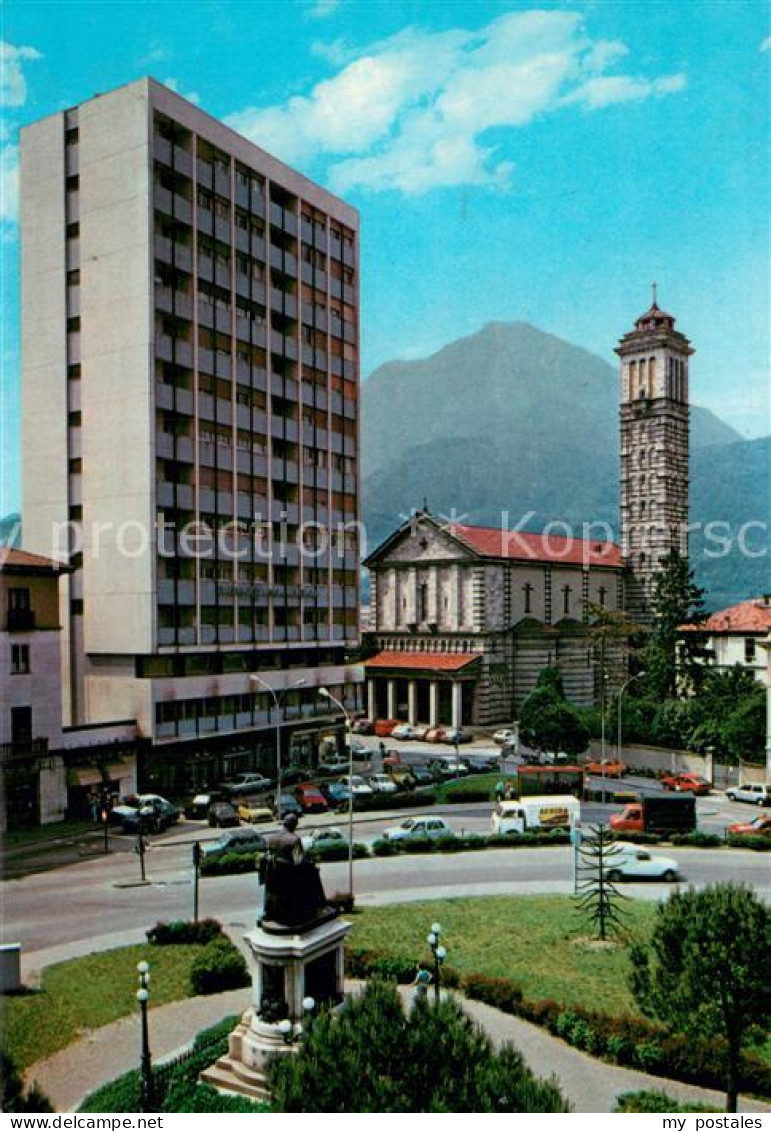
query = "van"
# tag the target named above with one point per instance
(756, 793)
(529, 814)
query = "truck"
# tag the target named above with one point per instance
(652, 814)
(529, 814)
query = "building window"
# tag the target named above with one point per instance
(19, 659)
(527, 589)
(749, 649)
(423, 595)
(566, 599)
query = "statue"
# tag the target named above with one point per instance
(294, 896)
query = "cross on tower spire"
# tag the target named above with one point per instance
(655, 303)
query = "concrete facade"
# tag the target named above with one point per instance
(190, 365)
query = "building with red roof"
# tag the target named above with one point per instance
(733, 635)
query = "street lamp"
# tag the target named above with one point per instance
(765, 644)
(439, 954)
(147, 1091)
(327, 694)
(298, 683)
(293, 1032)
(631, 679)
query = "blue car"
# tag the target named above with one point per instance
(337, 793)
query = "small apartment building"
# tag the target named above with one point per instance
(733, 636)
(463, 619)
(190, 416)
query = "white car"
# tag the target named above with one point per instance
(505, 737)
(358, 786)
(756, 793)
(319, 838)
(420, 828)
(383, 783)
(403, 732)
(632, 862)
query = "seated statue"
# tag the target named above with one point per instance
(294, 896)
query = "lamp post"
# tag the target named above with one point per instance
(293, 1032)
(327, 694)
(631, 679)
(765, 644)
(147, 1091)
(279, 712)
(439, 954)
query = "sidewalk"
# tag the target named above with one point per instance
(104, 1054)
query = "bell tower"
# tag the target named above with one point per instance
(654, 361)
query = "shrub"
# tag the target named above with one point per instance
(466, 793)
(384, 847)
(12, 1095)
(500, 993)
(654, 1102)
(230, 863)
(698, 839)
(343, 901)
(327, 852)
(219, 966)
(756, 843)
(184, 931)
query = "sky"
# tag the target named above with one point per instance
(509, 161)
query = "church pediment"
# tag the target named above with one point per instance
(421, 539)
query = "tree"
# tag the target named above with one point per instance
(599, 899)
(707, 970)
(371, 1056)
(12, 1095)
(675, 659)
(547, 721)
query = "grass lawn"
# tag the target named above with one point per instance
(534, 940)
(86, 993)
(471, 781)
(43, 834)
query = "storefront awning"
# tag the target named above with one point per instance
(447, 662)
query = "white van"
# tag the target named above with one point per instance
(530, 813)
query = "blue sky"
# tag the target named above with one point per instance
(509, 161)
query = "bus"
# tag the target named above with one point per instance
(537, 781)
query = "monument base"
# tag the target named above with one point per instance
(286, 969)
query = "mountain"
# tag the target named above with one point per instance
(10, 529)
(515, 420)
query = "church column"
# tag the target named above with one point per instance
(457, 704)
(371, 703)
(412, 702)
(391, 692)
(433, 703)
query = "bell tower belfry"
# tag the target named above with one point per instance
(654, 362)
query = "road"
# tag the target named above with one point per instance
(100, 897)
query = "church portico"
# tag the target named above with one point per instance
(434, 689)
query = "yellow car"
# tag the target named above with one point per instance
(254, 812)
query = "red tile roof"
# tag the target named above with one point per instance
(747, 616)
(10, 556)
(424, 661)
(518, 545)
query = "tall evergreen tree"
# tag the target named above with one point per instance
(674, 660)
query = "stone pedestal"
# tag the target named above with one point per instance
(285, 969)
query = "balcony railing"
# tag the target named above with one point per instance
(20, 620)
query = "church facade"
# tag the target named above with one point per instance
(463, 618)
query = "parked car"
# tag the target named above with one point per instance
(241, 840)
(457, 736)
(295, 775)
(420, 731)
(448, 767)
(505, 737)
(333, 764)
(421, 775)
(403, 732)
(247, 785)
(384, 727)
(254, 812)
(310, 798)
(289, 804)
(197, 807)
(756, 793)
(363, 726)
(383, 783)
(320, 838)
(418, 828)
(687, 783)
(632, 862)
(758, 826)
(156, 813)
(607, 769)
(435, 734)
(483, 762)
(337, 793)
(223, 815)
(358, 787)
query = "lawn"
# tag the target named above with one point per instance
(538, 941)
(471, 781)
(86, 993)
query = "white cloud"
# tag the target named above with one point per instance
(9, 184)
(322, 9)
(766, 44)
(412, 112)
(13, 85)
(191, 96)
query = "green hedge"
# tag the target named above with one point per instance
(184, 931)
(220, 966)
(756, 843)
(323, 853)
(230, 864)
(421, 845)
(361, 963)
(655, 1102)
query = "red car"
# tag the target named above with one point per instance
(759, 826)
(384, 727)
(435, 734)
(687, 783)
(310, 797)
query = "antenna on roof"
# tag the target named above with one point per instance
(655, 303)
(425, 505)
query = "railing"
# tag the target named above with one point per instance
(34, 747)
(20, 620)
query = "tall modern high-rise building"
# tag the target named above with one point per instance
(654, 451)
(190, 429)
